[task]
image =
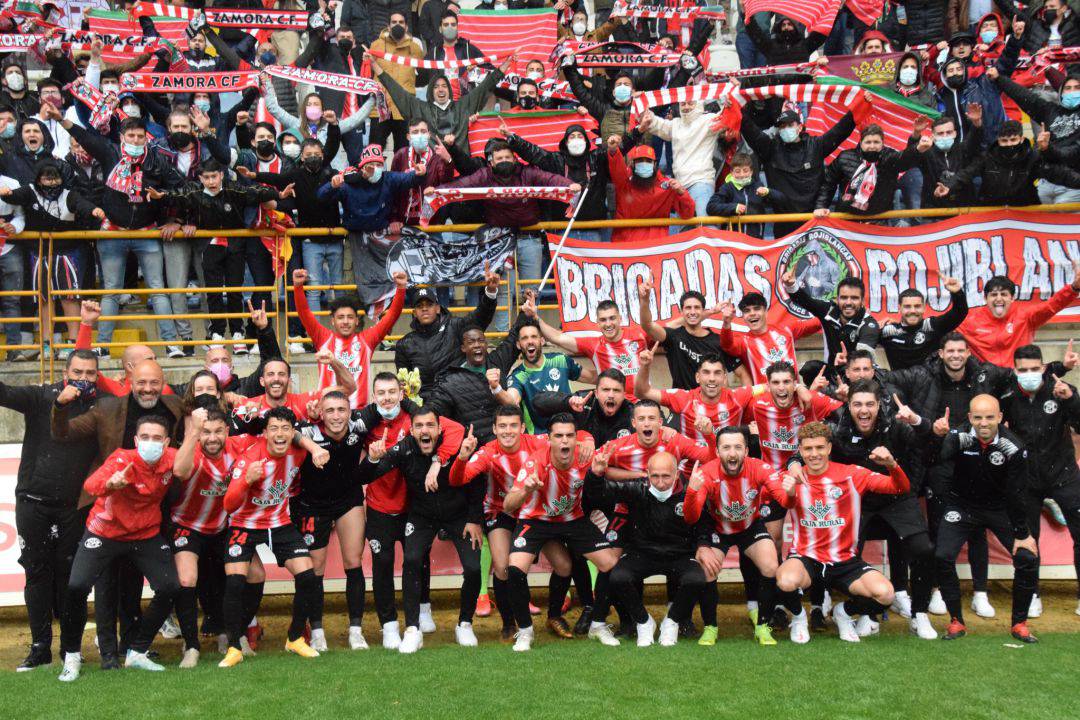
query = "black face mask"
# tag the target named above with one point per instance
(345, 45)
(206, 400)
(871, 155)
(789, 36)
(1012, 151)
(313, 164)
(956, 81)
(354, 178)
(528, 102)
(397, 32)
(265, 147)
(1049, 16)
(504, 169)
(180, 139)
(49, 192)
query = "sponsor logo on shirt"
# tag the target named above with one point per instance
(92, 543)
(821, 512)
(736, 510)
(278, 492)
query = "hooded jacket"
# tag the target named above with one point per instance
(1063, 123)
(614, 117)
(943, 165)
(438, 172)
(954, 101)
(365, 205)
(925, 21)
(644, 199)
(1037, 32)
(1045, 424)
(589, 170)
(921, 92)
(21, 164)
(693, 139)
(780, 50)
(839, 174)
(69, 210)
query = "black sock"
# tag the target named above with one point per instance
(601, 598)
(252, 596)
(766, 593)
(318, 599)
(307, 587)
(751, 579)
(233, 609)
(583, 580)
(501, 590)
(519, 597)
(791, 600)
(710, 598)
(817, 592)
(187, 615)
(558, 586)
(355, 589)
(863, 606)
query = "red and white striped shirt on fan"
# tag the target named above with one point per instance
(201, 506)
(353, 351)
(621, 355)
(725, 411)
(732, 501)
(759, 351)
(264, 504)
(559, 499)
(827, 509)
(501, 468)
(778, 428)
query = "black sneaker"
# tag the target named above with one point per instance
(39, 655)
(687, 630)
(581, 627)
(779, 619)
(627, 628)
(189, 350)
(110, 661)
(817, 619)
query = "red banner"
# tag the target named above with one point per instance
(1034, 249)
(210, 82)
(529, 34)
(544, 128)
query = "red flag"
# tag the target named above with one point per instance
(816, 15)
(544, 128)
(866, 10)
(530, 34)
(108, 22)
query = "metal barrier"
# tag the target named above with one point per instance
(282, 290)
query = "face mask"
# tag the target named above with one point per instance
(908, 76)
(1049, 15)
(955, 81)
(579, 28)
(32, 151)
(871, 156)
(987, 36)
(8, 132)
(644, 169)
(203, 105)
(134, 150)
(389, 414)
(528, 102)
(1071, 99)
(740, 184)
(180, 139)
(504, 168)
(576, 146)
(133, 111)
(622, 93)
(313, 113)
(205, 400)
(150, 450)
(221, 371)
(419, 143)
(16, 82)
(534, 75)
(1011, 151)
(87, 389)
(376, 176)
(265, 147)
(1029, 381)
(50, 192)
(661, 495)
(110, 88)
(789, 134)
(397, 32)
(450, 33)
(313, 164)
(292, 150)
(268, 58)
(944, 144)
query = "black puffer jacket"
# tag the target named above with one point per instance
(1045, 423)
(903, 441)
(1037, 33)
(926, 21)
(1009, 179)
(779, 51)
(659, 531)
(1063, 123)
(590, 170)
(592, 420)
(840, 171)
(21, 164)
(435, 347)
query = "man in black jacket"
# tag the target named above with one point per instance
(47, 490)
(910, 340)
(1044, 410)
(982, 476)
(949, 156)
(1055, 15)
(344, 56)
(846, 323)
(786, 44)
(458, 511)
(604, 412)
(661, 543)
(450, 45)
(434, 343)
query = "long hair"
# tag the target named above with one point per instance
(189, 401)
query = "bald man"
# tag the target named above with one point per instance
(661, 542)
(981, 478)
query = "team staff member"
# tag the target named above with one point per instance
(603, 412)
(982, 475)
(125, 522)
(47, 489)
(846, 322)
(910, 340)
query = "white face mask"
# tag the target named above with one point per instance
(1029, 381)
(662, 495)
(389, 414)
(576, 146)
(579, 28)
(292, 150)
(110, 88)
(16, 82)
(150, 450)
(133, 110)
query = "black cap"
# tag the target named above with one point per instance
(962, 36)
(789, 116)
(753, 299)
(425, 295)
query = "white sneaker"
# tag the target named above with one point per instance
(218, 341)
(602, 632)
(140, 661)
(464, 635)
(844, 624)
(669, 633)
(980, 603)
(296, 348)
(411, 641)
(318, 640)
(169, 629)
(356, 638)
(920, 625)
(391, 635)
(427, 622)
(866, 626)
(826, 604)
(799, 629)
(1078, 607)
(901, 604)
(1035, 609)
(190, 659)
(222, 644)
(245, 647)
(523, 639)
(645, 632)
(174, 352)
(239, 348)
(937, 604)
(72, 667)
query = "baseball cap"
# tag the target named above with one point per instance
(424, 295)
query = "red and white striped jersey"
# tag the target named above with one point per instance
(827, 509)
(732, 501)
(502, 468)
(621, 355)
(264, 504)
(559, 500)
(726, 411)
(201, 506)
(776, 344)
(628, 454)
(778, 428)
(258, 406)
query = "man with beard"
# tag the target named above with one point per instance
(434, 505)
(762, 345)
(732, 489)
(910, 340)
(276, 374)
(846, 322)
(602, 412)
(642, 191)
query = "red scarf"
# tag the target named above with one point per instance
(127, 176)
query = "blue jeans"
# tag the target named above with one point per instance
(113, 255)
(700, 193)
(316, 254)
(11, 278)
(590, 235)
(749, 55)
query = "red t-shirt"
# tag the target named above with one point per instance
(132, 512)
(264, 504)
(994, 340)
(628, 454)
(258, 406)
(778, 428)
(725, 411)
(559, 498)
(732, 502)
(201, 506)
(776, 344)
(621, 355)
(502, 468)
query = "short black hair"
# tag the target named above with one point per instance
(691, 295)
(279, 359)
(385, 376)
(999, 282)
(646, 403)
(471, 327)
(448, 14)
(607, 305)
(266, 126)
(422, 410)
(753, 299)
(281, 413)
(152, 420)
(210, 165)
(132, 123)
(214, 413)
(852, 282)
(779, 367)
(312, 142)
(81, 355)
(528, 81)
(1011, 128)
(911, 292)
(1028, 352)
(864, 386)
(860, 354)
(349, 300)
(508, 411)
(943, 120)
(413, 122)
(495, 146)
(953, 336)
(336, 395)
(734, 430)
(563, 418)
(612, 374)
(713, 358)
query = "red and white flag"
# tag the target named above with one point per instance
(544, 128)
(530, 34)
(816, 15)
(121, 24)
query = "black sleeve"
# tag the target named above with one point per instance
(551, 403)
(951, 318)
(817, 308)
(369, 472)
(535, 155)
(98, 146)
(475, 491)
(940, 477)
(837, 134)
(332, 144)
(828, 184)
(592, 101)
(21, 398)
(1016, 494)
(484, 312)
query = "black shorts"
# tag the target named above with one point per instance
(315, 529)
(742, 540)
(772, 511)
(184, 539)
(904, 516)
(285, 542)
(580, 536)
(499, 521)
(619, 531)
(837, 576)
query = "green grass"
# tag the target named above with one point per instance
(890, 676)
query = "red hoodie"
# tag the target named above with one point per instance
(633, 201)
(994, 340)
(132, 512)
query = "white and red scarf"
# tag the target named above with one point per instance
(445, 196)
(861, 188)
(127, 176)
(415, 204)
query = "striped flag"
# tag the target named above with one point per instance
(544, 128)
(528, 33)
(816, 15)
(866, 10)
(112, 22)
